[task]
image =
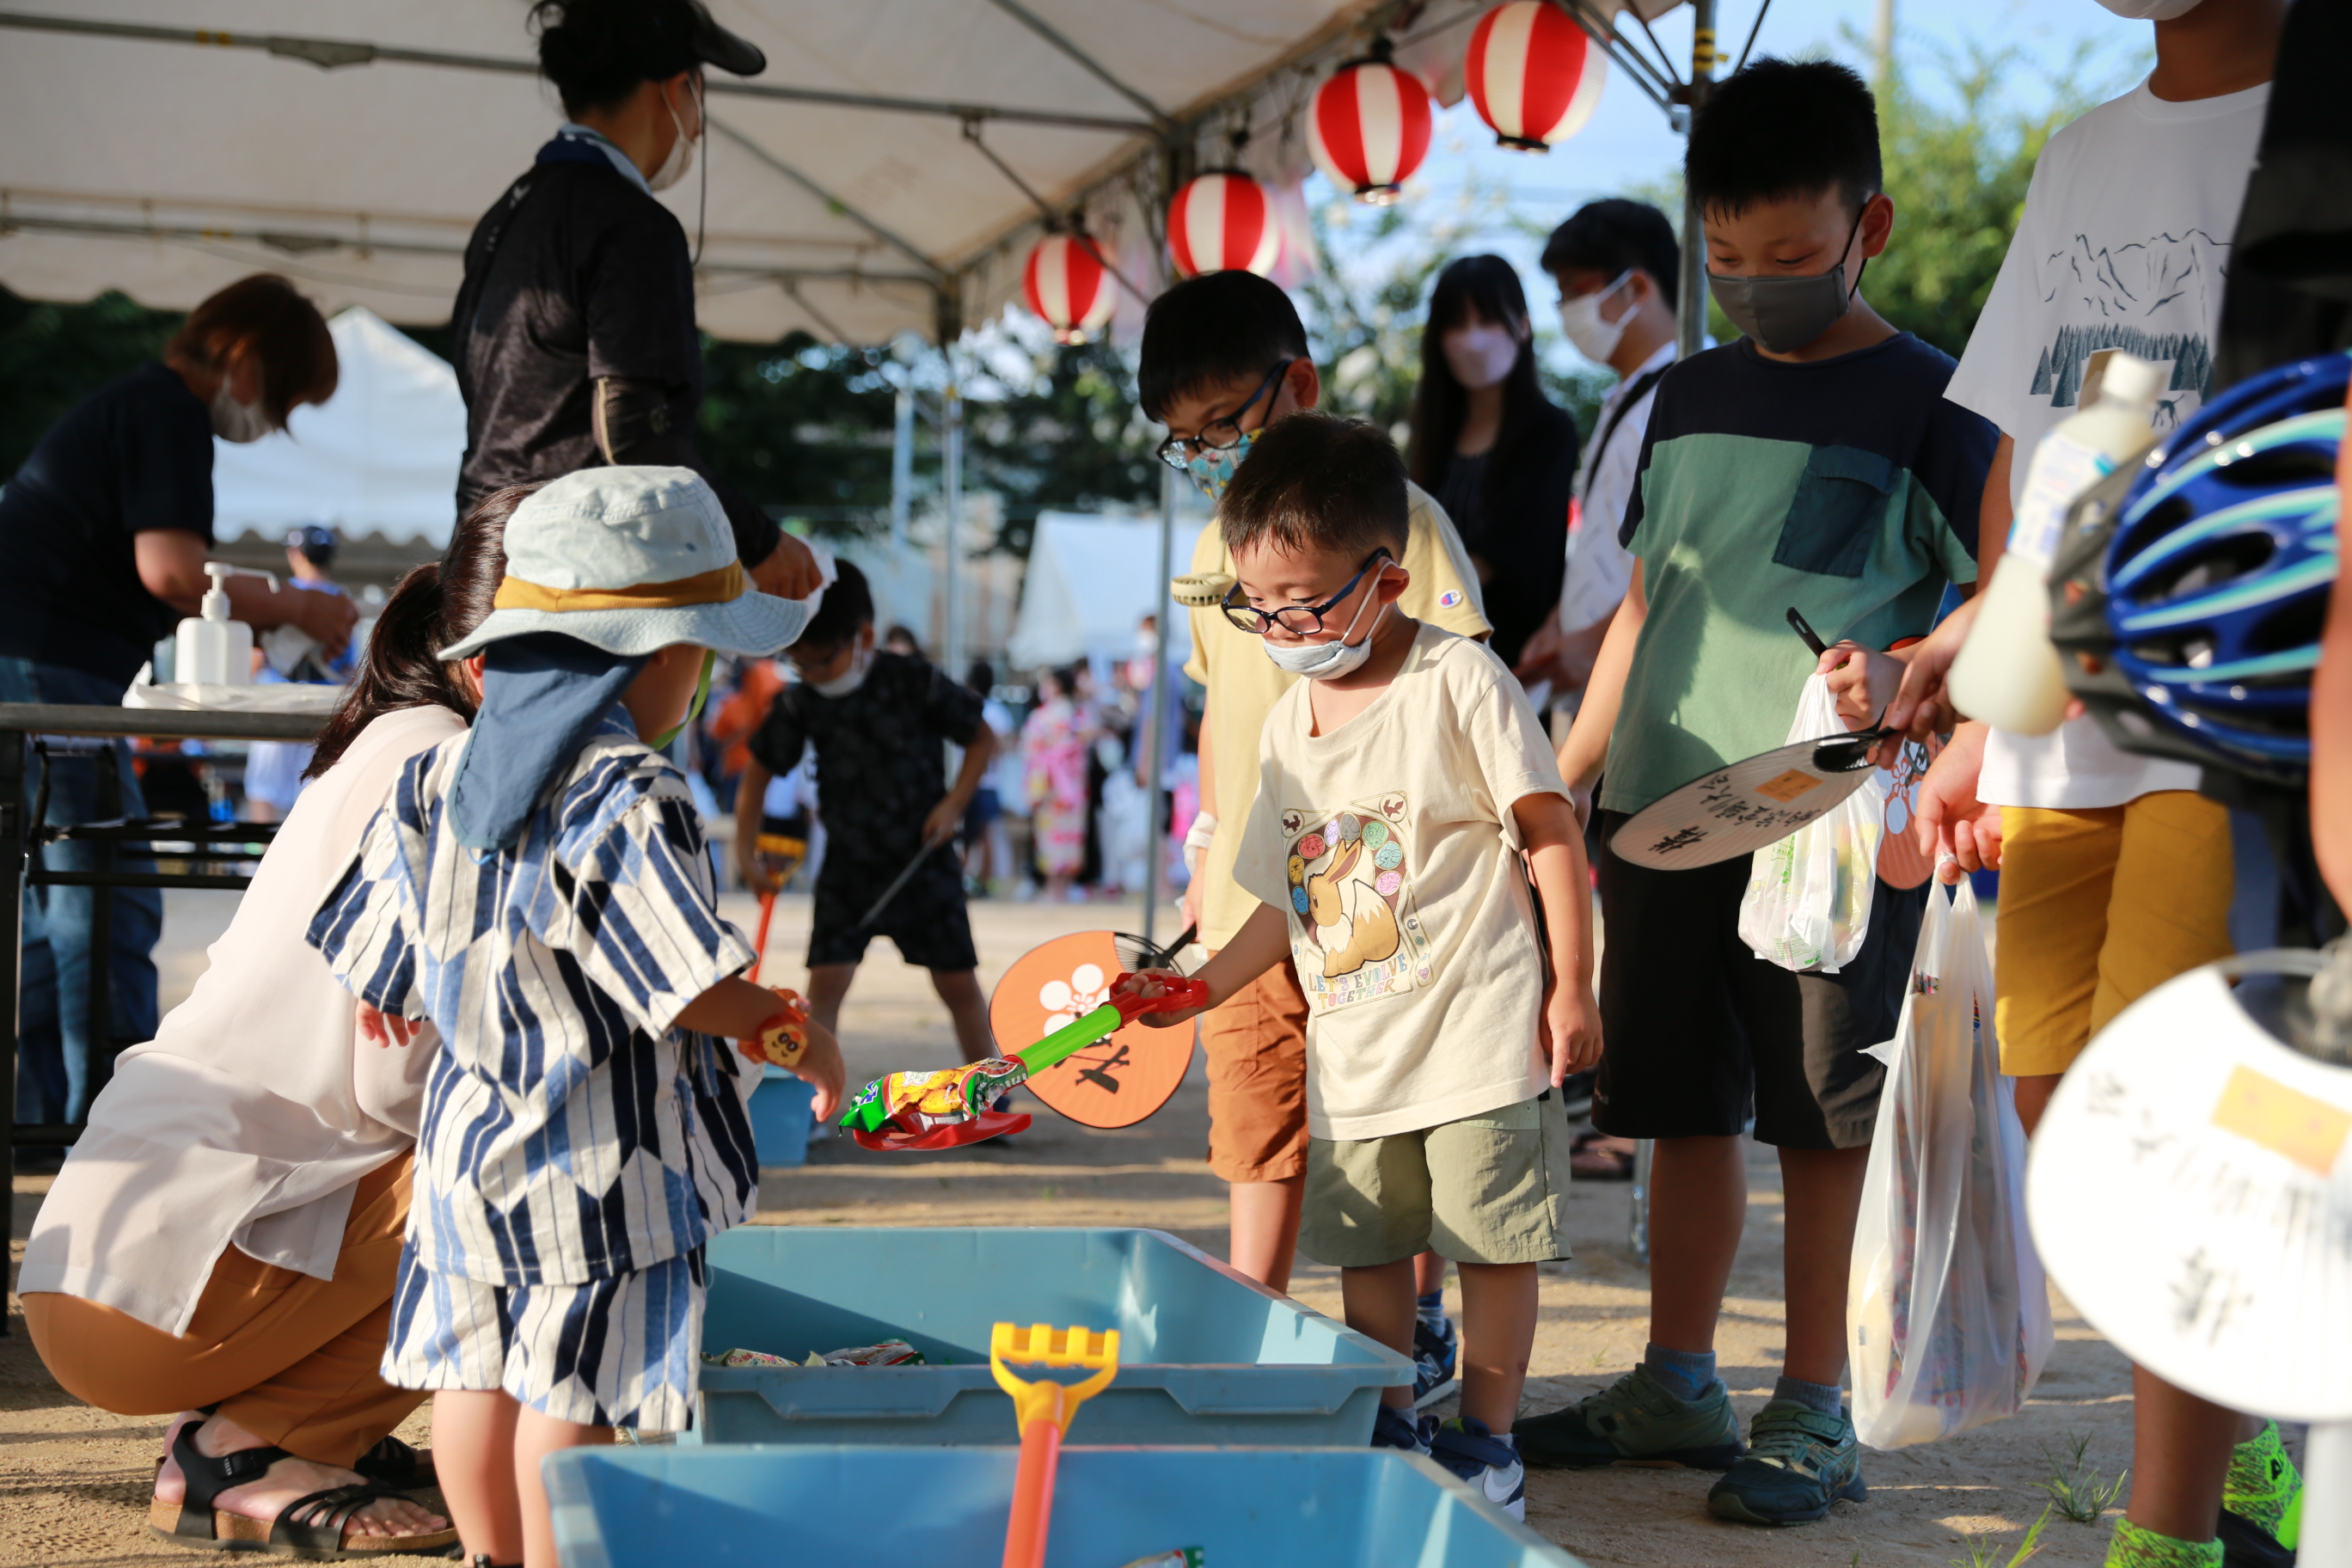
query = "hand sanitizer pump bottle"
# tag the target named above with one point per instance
(211, 650)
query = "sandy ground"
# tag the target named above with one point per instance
(75, 1481)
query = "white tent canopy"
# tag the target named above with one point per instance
(379, 457)
(1091, 582)
(871, 181)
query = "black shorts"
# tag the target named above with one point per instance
(927, 920)
(1698, 1033)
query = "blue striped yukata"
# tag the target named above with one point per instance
(576, 1150)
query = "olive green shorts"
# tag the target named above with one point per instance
(1485, 1189)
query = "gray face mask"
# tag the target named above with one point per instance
(1784, 314)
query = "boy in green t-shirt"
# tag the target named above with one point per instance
(1813, 463)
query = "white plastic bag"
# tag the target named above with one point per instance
(1948, 1316)
(1807, 906)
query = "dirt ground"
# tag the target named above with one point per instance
(75, 1481)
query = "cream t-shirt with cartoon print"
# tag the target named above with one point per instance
(1389, 842)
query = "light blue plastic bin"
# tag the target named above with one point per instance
(780, 1118)
(1206, 1356)
(947, 1508)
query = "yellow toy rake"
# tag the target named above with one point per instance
(1045, 1408)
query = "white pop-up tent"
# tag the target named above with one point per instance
(1092, 579)
(889, 171)
(380, 457)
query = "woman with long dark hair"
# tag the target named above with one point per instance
(223, 1238)
(1497, 454)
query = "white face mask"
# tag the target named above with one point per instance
(681, 155)
(1480, 356)
(1594, 336)
(237, 423)
(850, 680)
(2149, 10)
(1329, 660)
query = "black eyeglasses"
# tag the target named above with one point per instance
(1218, 435)
(1298, 620)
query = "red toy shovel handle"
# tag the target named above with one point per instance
(1033, 1495)
(1180, 991)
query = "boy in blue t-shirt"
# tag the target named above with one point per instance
(1813, 463)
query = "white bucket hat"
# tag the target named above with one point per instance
(630, 560)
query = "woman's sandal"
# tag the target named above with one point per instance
(309, 1527)
(397, 1465)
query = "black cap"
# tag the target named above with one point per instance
(714, 45)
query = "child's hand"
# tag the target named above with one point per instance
(821, 1068)
(750, 870)
(942, 821)
(386, 1029)
(1571, 1029)
(1863, 681)
(1149, 984)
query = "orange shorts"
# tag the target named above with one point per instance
(1256, 1049)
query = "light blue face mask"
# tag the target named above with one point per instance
(1212, 467)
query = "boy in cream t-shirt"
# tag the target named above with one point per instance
(1397, 785)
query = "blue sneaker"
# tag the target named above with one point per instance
(1396, 1429)
(1435, 1350)
(1490, 1465)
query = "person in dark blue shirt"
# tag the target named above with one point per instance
(105, 529)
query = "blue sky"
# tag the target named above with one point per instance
(1628, 145)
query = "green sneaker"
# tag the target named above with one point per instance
(1799, 1461)
(1636, 1420)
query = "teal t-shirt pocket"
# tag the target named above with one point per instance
(1833, 517)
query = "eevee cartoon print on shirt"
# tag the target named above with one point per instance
(1353, 930)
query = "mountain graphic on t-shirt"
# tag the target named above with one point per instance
(2125, 297)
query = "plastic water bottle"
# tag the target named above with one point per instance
(2007, 673)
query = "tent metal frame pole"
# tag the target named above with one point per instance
(871, 225)
(332, 53)
(951, 482)
(902, 470)
(1060, 40)
(1155, 837)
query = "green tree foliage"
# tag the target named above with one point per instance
(801, 424)
(53, 356)
(1956, 169)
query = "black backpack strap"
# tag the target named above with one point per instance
(1633, 395)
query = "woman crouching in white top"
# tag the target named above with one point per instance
(222, 1241)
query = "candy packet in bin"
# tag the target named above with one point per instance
(888, 1352)
(1181, 1557)
(743, 1358)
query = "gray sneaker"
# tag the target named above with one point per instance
(1636, 1420)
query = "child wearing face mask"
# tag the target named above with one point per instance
(1222, 355)
(877, 720)
(1399, 782)
(1496, 453)
(1813, 463)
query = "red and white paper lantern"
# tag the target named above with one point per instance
(1370, 129)
(1222, 221)
(1533, 74)
(1067, 284)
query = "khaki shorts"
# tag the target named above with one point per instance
(1256, 1049)
(2098, 908)
(1485, 1189)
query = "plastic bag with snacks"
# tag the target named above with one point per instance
(1947, 1317)
(1807, 906)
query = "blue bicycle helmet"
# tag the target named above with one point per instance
(2192, 588)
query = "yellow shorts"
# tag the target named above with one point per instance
(2098, 908)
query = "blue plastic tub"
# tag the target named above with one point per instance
(947, 1508)
(1206, 1356)
(780, 1118)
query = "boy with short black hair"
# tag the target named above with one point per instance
(879, 722)
(1223, 355)
(1815, 465)
(1398, 784)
